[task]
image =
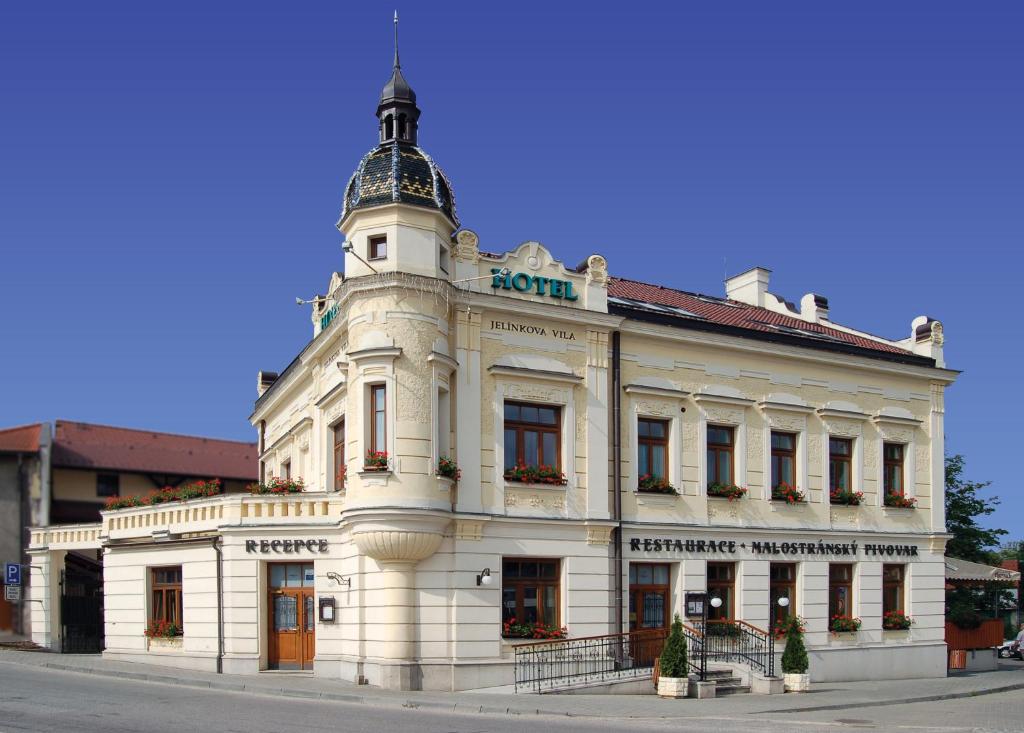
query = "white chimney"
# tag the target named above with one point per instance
(814, 308)
(927, 339)
(750, 287)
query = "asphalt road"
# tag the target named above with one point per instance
(37, 699)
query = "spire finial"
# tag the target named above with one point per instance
(397, 65)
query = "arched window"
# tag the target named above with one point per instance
(401, 127)
(389, 127)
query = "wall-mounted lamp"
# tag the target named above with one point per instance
(783, 601)
(340, 579)
(716, 602)
(484, 578)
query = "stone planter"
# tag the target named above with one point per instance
(674, 687)
(796, 682)
(166, 644)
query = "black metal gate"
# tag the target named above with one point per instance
(81, 611)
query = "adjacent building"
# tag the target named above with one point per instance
(494, 446)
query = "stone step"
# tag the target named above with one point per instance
(721, 690)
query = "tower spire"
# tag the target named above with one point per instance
(397, 111)
(397, 64)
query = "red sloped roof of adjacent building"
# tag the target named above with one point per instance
(86, 445)
(20, 439)
(739, 315)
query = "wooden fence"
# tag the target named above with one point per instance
(988, 635)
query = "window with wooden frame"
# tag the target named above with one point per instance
(533, 435)
(377, 248)
(840, 590)
(165, 589)
(783, 459)
(782, 584)
(108, 484)
(722, 584)
(286, 470)
(892, 588)
(649, 596)
(530, 591)
(378, 418)
(840, 464)
(892, 468)
(339, 456)
(652, 447)
(721, 448)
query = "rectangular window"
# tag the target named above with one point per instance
(892, 588)
(533, 435)
(378, 248)
(721, 584)
(165, 584)
(840, 590)
(893, 468)
(782, 580)
(652, 447)
(378, 423)
(286, 470)
(339, 456)
(720, 455)
(529, 591)
(840, 463)
(108, 484)
(783, 459)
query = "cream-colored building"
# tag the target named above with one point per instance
(642, 401)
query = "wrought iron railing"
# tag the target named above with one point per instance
(559, 664)
(738, 641)
(696, 660)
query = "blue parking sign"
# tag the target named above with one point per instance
(12, 574)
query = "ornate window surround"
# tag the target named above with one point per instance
(331, 409)
(844, 420)
(721, 406)
(442, 366)
(375, 366)
(892, 426)
(534, 385)
(659, 403)
(786, 413)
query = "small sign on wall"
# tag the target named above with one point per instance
(695, 604)
(327, 609)
(12, 592)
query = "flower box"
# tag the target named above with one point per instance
(846, 498)
(899, 501)
(185, 492)
(726, 491)
(376, 460)
(788, 494)
(896, 621)
(649, 484)
(844, 624)
(448, 468)
(535, 475)
(512, 629)
(277, 486)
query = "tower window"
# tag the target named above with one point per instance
(378, 248)
(389, 127)
(401, 127)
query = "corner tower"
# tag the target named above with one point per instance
(398, 213)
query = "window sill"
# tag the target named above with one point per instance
(375, 477)
(836, 505)
(781, 505)
(655, 498)
(898, 509)
(732, 500)
(444, 484)
(166, 644)
(534, 487)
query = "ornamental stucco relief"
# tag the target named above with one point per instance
(755, 445)
(536, 501)
(842, 428)
(726, 415)
(786, 422)
(658, 408)
(814, 454)
(536, 392)
(871, 454)
(895, 433)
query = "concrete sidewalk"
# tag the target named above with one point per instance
(824, 695)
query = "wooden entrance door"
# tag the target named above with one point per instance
(649, 602)
(292, 616)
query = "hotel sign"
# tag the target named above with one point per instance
(536, 284)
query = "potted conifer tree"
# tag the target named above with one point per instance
(794, 657)
(673, 680)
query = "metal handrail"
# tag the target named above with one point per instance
(560, 663)
(738, 641)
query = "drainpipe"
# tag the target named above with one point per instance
(220, 603)
(617, 473)
(263, 438)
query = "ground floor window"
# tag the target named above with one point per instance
(892, 588)
(529, 596)
(721, 584)
(782, 583)
(165, 611)
(840, 591)
(648, 596)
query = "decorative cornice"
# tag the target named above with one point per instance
(655, 391)
(443, 360)
(523, 372)
(384, 352)
(714, 399)
(825, 412)
(786, 407)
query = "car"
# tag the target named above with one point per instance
(1010, 649)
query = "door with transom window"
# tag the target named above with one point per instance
(292, 616)
(649, 601)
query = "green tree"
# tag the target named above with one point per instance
(673, 656)
(794, 656)
(963, 507)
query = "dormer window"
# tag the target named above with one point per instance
(378, 248)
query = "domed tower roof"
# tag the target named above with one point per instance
(397, 171)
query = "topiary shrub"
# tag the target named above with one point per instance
(673, 656)
(794, 656)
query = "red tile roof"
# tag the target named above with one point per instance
(740, 315)
(21, 439)
(85, 445)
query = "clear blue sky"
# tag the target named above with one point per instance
(170, 175)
